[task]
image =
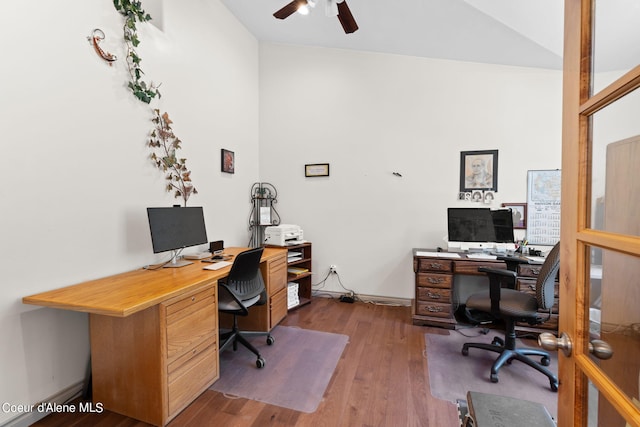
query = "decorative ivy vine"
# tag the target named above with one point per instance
(162, 140)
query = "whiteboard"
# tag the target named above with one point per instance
(543, 207)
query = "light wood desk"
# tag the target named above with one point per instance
(154, 333)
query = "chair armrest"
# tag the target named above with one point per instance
(513, 261)
(498, 272)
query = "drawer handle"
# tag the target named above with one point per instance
(434, 309)
(434, 296)
(532, 287)
(435, 281)
(193, 299)
(195, 350)
(436, 265)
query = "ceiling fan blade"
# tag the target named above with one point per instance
(346, 18)
(289, 9)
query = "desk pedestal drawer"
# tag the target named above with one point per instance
(471, 267)
(425, 264)
(434, 309)
(192, 378)
(434, 280)
(442, 295)
(278, 304)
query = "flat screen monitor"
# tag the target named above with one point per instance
(470, 225)
(176, 228)
(479, 228)
(503, 225)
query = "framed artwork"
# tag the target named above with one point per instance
(316, 169)
(519, 211)
(228, 161)
(479, 170)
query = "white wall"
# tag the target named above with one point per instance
(369, 115)
(78, 180)
(77, 173)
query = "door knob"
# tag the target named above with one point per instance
(600, 349)
(548, 341)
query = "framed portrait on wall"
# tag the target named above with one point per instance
(519, 212)
(228, 161)
(479, 170)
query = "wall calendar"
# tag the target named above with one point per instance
(543, 207)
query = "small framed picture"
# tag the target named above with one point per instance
(479, 170)
(519, 212)
(489, 197)
(228, 161)
(316, 169)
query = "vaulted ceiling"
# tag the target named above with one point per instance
(511, 32)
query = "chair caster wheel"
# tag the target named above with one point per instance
(270, 340)
(545, 361)
(498, 341)
(554, 385)
(465, 351)
(260, 363)
(494, 378)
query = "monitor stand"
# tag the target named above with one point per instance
(175, 262)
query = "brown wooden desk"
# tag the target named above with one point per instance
(434, 302)
(438, 287)
(154, 333)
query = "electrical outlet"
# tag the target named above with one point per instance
(333, 268)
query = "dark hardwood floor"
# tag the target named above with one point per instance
(381, 379)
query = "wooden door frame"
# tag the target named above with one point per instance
(576, 235)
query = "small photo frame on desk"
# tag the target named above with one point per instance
(478, 170)
(519, 212)
(316, 169)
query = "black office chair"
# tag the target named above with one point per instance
(243, 288)
(513, 306)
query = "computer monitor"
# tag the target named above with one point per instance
(176, 228)
(503, 225)
(479, 229)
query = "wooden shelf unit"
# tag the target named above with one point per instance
(303, 279)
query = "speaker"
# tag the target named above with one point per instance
(216, 247)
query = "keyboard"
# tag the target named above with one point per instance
(217, 265)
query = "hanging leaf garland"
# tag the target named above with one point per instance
(164, 143)
(133, 12)
(162, 140)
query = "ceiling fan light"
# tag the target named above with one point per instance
(303, 10)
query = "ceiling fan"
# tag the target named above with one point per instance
(333, 8)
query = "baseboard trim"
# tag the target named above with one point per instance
(373, 299)
(28, 418)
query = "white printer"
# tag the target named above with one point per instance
(283, 235)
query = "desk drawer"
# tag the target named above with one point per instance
(277, 279)
(434, 309)
(427, 264)
(278, 307)
(529, 270)
(192, 378)
(434, 294)
(471, 267)
(434, 280)
(191, 321)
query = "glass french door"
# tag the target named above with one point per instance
(599, 366)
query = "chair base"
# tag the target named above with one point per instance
(508, 352)
(235, 336)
